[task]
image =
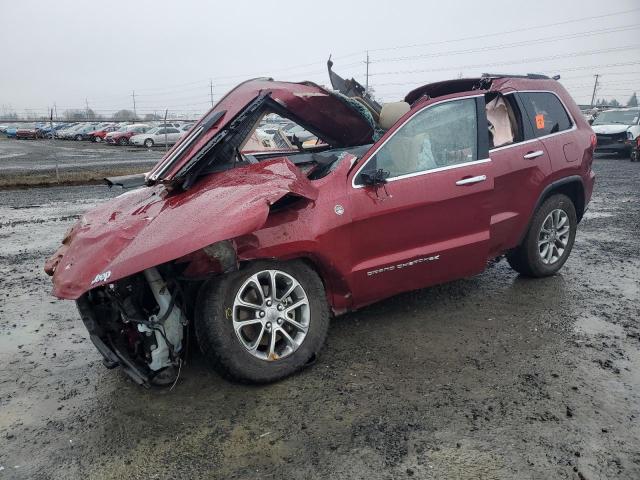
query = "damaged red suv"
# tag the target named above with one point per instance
(255, 251)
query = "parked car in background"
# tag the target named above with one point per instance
(68, 132)
(84, 132)
(99, 134)
(156, 136)
(26, 132)
(48, 132)
(617, 130)
(10, 131)
(296, 134)
(123, 134)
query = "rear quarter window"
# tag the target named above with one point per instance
(546, 113)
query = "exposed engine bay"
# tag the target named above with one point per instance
(141, 319)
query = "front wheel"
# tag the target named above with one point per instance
(635, 154)
(123, 141)
(549, 240)
(78, 138)
(148, 143)
(262, 323)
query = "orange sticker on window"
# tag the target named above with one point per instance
(540, 121)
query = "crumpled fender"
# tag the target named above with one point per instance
(150, 226)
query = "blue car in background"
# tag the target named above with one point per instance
(11, 132)
(46, 131)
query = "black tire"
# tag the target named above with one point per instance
(222, 348)
(526, 259)
(123, 141)
(634, 155)
(78, 138)
(148, 142)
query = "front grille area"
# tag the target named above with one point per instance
(609, 138)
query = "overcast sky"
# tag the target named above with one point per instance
(69, 51)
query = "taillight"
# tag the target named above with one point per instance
(594, 141)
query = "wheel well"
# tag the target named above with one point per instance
(574, 190)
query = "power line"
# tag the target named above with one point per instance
(510, 45)
(512, 62)
(506, 32)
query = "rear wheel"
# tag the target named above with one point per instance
(262, 323)
(549, 240)
(123, 141)
(635, 155)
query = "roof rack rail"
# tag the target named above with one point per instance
(531, 76)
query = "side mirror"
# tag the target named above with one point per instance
(375, 177)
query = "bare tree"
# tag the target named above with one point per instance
(74, 115)
(127, 115)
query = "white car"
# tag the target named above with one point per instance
(617, 130)
(157, 136)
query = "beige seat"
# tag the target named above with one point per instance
(501, 127)
(391, 113)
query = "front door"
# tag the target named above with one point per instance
(430, 222)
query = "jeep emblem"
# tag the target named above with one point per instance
(101, 277)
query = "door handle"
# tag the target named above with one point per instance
(532, 155)
(472, 180)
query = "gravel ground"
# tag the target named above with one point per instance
(34, 161)
(495, 376)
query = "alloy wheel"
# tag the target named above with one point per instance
(554, 236)
(271, 315)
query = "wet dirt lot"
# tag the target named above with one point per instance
(34, 161)
(496, 376)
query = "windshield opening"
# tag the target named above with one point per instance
(623, 117)
(275, 133)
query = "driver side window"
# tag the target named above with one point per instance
(438, 136)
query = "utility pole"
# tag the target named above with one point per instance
(86, 103)
(135, 115)
(55, 153)
(595, 87)
(166, 143)
(55, 109)
(211, 90)
(366, 84)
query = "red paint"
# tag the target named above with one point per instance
(312, 106)
(420, 231)
(117, 136)
(25, 133)
(103, 133)
(149, 226)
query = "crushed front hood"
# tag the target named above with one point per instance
(148, 226)
(311, 106)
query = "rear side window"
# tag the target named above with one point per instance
(546, 112)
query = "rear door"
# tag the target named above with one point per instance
(430, 222)
(520, 168)
(553, 126)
